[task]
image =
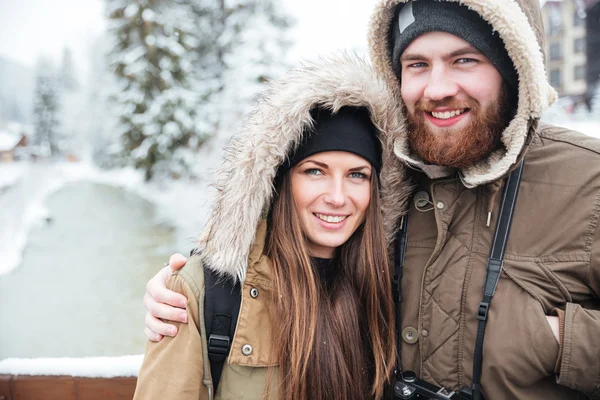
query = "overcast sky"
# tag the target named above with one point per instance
(32, 28)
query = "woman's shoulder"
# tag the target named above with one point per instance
(191, 274)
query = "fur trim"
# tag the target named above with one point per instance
(523, 41)
(245, 181)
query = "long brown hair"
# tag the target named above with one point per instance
(335, 343)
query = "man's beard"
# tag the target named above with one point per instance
(457, 148)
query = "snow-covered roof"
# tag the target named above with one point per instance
(8, 140)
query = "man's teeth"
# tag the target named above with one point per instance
(330, 218)
(447, 114)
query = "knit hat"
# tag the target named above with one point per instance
(350, 129)
(421, 16)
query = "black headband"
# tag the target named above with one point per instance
(350, 129)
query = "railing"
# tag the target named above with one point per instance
(27, 387)
(92, 378)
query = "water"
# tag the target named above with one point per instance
(78, 291)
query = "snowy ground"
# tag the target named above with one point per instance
(9, 174)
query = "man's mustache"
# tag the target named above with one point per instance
(430, 105)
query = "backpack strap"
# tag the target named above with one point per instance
(221, 309)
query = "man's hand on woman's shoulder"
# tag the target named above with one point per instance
(164, 304)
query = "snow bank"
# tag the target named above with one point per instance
(89, 367)
(10, 173)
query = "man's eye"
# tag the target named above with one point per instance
(417, 65)
(466, 60)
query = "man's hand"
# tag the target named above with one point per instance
(554, 325)
(164, 303)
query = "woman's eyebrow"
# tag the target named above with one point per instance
(355, 169)
(320, 164)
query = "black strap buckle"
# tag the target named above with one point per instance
(218, 347)
(482, 311)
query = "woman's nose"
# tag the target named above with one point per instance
(335, 194)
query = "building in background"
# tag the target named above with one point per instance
(566, 58)
(592, 9)
(10, 143)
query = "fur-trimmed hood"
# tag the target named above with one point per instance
(245, 182)
(519, 24)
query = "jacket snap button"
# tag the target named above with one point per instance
(440, 205)
(247, 350)
(424, 333)
(410, 335)
(254, 293)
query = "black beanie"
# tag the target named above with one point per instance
(350, 129)
(421, 16)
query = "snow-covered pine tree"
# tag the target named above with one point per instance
(254, 40)
(153, 58)
(46, 106)
(67, 74)
(208, 64)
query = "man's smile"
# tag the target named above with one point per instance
(447, 117)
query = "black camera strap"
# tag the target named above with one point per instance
(397, 286)
(494, 269)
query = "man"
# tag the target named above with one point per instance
(469, 80)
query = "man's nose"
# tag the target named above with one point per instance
(440, 85)
(336, 193)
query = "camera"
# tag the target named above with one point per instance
(409, 387)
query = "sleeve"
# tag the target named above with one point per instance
(173, 368)
(579, 366)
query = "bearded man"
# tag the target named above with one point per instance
(469, 81)
(469, 78)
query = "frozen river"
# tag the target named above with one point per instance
(79, 287)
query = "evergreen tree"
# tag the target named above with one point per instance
(45, 111)
(68, 76)
(153, 60)
(208, 16)
(187, 69)
(254, 44)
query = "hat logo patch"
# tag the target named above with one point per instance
(406, 17)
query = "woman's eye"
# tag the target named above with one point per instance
(313, 171)
(359, 175)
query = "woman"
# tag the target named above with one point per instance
(319, 322)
